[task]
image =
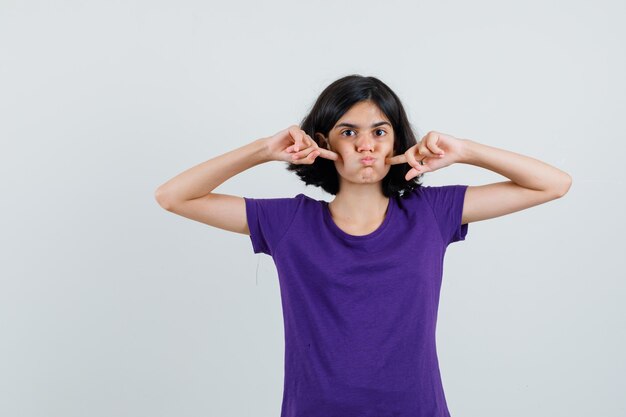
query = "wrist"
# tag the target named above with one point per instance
(263, 148)
(465, 150)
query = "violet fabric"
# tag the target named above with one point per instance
(360, 312)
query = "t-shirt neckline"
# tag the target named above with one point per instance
(339, 232)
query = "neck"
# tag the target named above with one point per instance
(360, 204)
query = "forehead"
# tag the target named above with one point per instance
(365, 114)
(364, 110)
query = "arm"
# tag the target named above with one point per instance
(190, 195)
(203, 178)
(532, 182)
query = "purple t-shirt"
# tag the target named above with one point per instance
(360, 312)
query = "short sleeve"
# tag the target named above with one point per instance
(268, 221)
(447, 204)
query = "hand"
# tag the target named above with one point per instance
(436, 150)
(295, 146)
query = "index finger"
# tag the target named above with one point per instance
(325, 153)
(398, 159)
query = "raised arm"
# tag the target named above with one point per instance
(532, 182)
(190, 193)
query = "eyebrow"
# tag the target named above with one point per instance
(355, 126)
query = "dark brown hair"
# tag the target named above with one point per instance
(334, 102)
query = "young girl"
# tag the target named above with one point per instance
(360, 276)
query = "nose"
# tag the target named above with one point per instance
(364, 143)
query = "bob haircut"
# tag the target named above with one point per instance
(333, 103)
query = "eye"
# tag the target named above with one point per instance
(377, 130)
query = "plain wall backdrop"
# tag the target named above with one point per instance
(112, 306)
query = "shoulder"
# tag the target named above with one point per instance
(446, 202)
(280, 208)
(269, 219)
(277, 201)
(436, 193)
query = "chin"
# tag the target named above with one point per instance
(363, 175)
(375, 177)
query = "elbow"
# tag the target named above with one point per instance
(564, 185)
(162, 199)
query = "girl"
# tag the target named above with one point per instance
(360, 276)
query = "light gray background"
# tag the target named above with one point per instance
(112, 306)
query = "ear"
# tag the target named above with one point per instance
(325, 143)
